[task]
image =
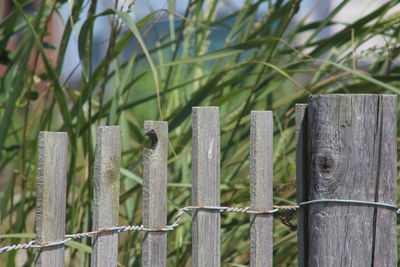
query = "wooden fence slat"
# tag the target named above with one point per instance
(261, 145)
(106, 195)
(385, 249)
(51, 197)
(301, 161)
(205, 186)
(352, 155)
(154, 244)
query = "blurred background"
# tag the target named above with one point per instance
(77, 64)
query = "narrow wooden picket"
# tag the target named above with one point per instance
(301, 194)
(154, 244)
(205, 186)
(106, 195)
(261, 143)
(51, 197)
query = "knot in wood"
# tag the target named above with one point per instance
(326, 162)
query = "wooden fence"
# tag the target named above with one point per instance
(346, 149)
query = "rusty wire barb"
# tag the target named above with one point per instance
(141, 228)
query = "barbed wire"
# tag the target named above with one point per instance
(181, 211)
(141, 228)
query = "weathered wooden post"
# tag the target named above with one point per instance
(154, 244)
(301, 185)
(51, 197)
(261, 143)
(351, 143)
(205, 187)
(106, 195)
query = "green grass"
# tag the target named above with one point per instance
(262, 64)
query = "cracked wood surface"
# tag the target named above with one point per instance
(352, 155)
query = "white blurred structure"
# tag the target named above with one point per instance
(355, 9)
(310, 10)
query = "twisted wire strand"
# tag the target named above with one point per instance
(141, 228)
(178, 217)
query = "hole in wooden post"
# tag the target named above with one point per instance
(153, 138)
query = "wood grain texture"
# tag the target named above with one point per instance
(51, 197)
(261, 145)
(352, 155)
(301, 181)
(106, 195)
(205, 186)
(154, 244)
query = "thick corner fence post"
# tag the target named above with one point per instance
(51, 197)
(352, 155)
(154, 244)
(261, 145)
(206, 186)
(106, 195)
(301, 161)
